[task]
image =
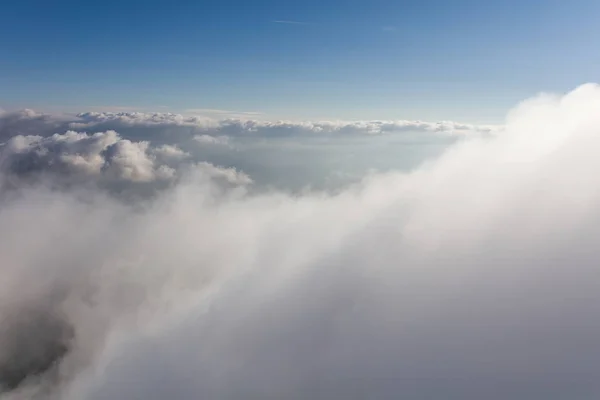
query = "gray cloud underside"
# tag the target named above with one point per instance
(473, 276)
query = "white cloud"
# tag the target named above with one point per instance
(72, 152)
(102, 156)
(474, 276)
(212, 140)
(283, 128)
(140, 118)
(130, 161)
(227, 175)
(169, 124)
(170, 152)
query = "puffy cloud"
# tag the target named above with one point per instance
(473, 276)
(170, 152)
(72, 152)
(28, 122)
(130, 161)
(229, 175)
(102, 156)
(79, 154)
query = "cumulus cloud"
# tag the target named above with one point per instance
(170, 152)
(79, 154)
(28, 122)
(472, 276)
(104, 158)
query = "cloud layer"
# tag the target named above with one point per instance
(103, 159)
(472, 276)
(156, 149)
(28, 122)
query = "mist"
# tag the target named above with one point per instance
(469, 272)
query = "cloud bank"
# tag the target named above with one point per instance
(474, 275)
(287, 155)
(164, 124)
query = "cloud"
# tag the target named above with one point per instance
(139, 125)
(27, 122)
(319, 154)
(471, 276)
(287, 128)
(79, 154)
(136, 119)
(170, 152)
(308, 153)
(212, 140)
(104, 158)
(229, 175)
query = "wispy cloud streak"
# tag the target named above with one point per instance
(289, 22)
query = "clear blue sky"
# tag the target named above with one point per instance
(428, 59)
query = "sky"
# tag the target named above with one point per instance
(432, 60)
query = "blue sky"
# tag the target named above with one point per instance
(431, 59)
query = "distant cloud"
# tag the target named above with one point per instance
(389, 29)
(212, 140)
(88, 119)
(80, 154)
(373, 127)
(103, 157)
(176, 127)
(29, 122)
